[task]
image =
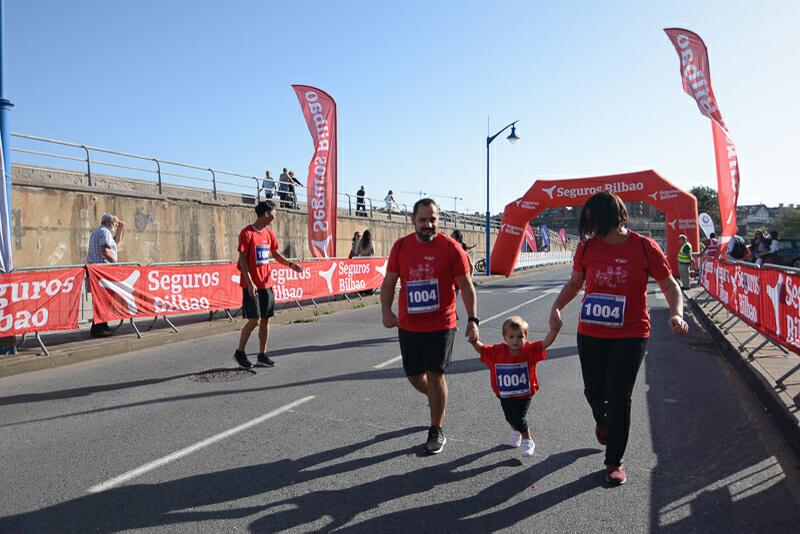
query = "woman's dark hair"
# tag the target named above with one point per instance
(602, 213)
(366, 239)
(458, 236)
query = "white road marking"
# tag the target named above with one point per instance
(524, 289)
(388, 362)
(193, 448)
(518, 306)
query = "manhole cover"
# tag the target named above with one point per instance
(222, 375)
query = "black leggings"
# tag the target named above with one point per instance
(515, 410)
(609, 368)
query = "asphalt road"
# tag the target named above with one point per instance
(331, 438)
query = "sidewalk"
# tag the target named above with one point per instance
(760, 364)
(75, 346)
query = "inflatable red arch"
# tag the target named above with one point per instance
(679, 207)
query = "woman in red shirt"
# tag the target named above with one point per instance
(615, 264)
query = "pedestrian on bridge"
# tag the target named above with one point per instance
(615, 264)
(428, 264)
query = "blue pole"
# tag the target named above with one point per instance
(488, 236)
(5, 108)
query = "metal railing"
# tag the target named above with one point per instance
(163, 172)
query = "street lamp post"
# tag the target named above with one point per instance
(512, 138)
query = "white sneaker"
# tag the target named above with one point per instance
(514, 439)
(527, 447)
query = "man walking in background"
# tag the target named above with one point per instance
(257, 244)
(103, 249)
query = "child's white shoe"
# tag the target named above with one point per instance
(528, 447)
(514, 439)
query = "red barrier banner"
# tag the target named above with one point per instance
(781, 307)
(746, 288)
(40, 301)
(319, 109)
(707, 278)
(122, 291)
(325, 278)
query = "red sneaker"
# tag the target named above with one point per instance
(615, 474)
(600, 433)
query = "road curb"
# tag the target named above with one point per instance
(764, 389)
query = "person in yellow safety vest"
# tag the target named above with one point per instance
(684, 260)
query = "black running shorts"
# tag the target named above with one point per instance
(426, 351)
(263, 306)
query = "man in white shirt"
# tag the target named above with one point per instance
(103, 249)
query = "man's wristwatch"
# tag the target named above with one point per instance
(474, 320)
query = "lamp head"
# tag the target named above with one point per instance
(513, 137)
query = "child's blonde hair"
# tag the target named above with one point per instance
(515, 322)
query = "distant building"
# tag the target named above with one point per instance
(754, 215)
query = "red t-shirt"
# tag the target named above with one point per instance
(258, 245)
(615, 301)
(427, 281)
(513, 375)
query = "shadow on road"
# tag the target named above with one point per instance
(178, 501)
(714, 474)
(84, 391)
(356, 343)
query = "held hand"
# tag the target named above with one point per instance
(472, 332)
(389, 319)
(120, 224)
(296, 267)
(678, 325)
(555, 319)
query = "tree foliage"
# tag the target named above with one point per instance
(707, 201)
(788, 223)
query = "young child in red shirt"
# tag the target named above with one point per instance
(512, 367)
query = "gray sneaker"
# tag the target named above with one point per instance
(436, 440)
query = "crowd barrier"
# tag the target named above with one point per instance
(536, 259)
(39, 300)
(766, 298)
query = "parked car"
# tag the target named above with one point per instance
(790, 251)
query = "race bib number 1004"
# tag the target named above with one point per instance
(512, 379)
(423, 295)
(606, 310)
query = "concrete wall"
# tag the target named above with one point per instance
(54, 211)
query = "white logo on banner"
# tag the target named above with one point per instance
(328, 275)
(549, 190)
(774, 294)
(382, 269)
(124, 289)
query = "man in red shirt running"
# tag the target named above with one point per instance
(429, 265)
(257, 243)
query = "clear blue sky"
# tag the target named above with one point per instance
(595, 86)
